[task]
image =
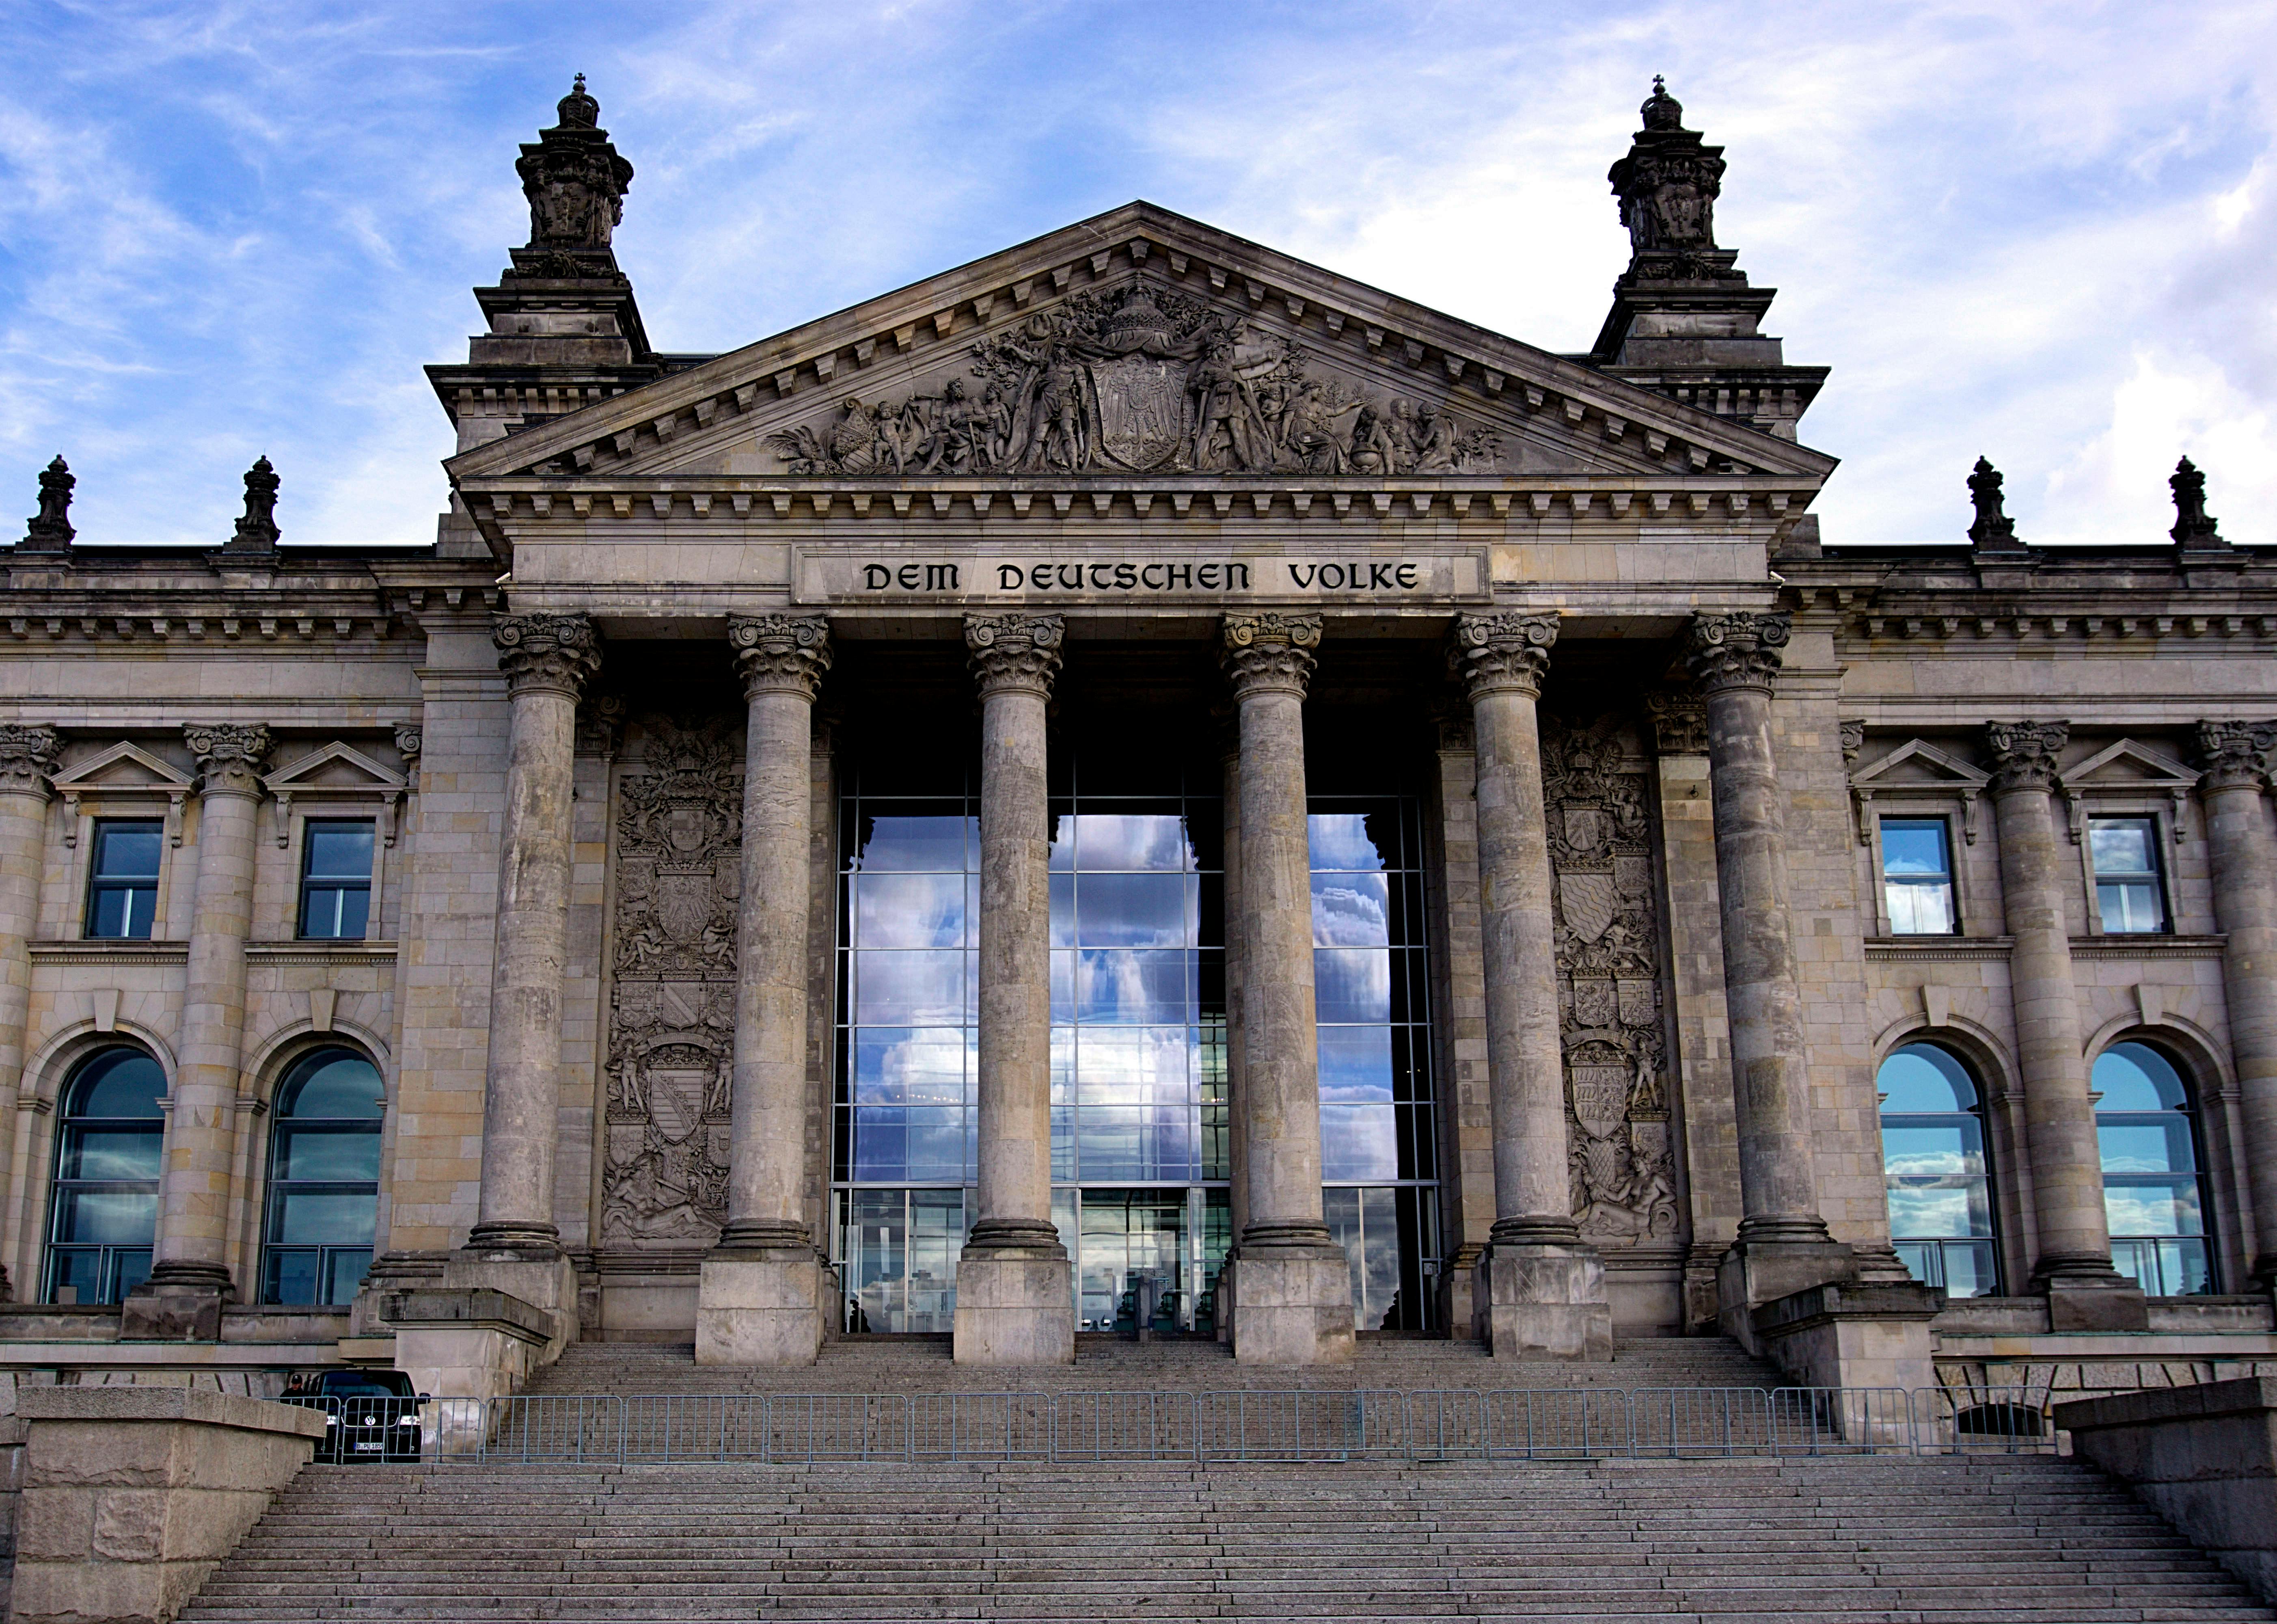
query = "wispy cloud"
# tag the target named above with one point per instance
(2034, 230)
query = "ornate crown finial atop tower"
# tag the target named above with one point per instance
(574, 178)
(2194, 526)
(1662, 111)
(1993, 530)
(1668, 185)
(49, 530)
(256, 528)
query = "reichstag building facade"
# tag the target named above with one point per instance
(1137, 783)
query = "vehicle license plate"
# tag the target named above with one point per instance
(373, 1447)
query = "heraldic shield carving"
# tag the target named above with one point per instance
(1622, 1163)
(671, 1009)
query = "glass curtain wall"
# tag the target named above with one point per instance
(1140, 1129)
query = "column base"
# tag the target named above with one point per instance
(1015, 1305)
(179, 1302)
(1292, 1306)
(1545, 1301)
(1759, 1270)
(1462, 1295)
(759, 1308)
(2095, 1303)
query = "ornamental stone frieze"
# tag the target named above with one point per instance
(559, 653)
(1621, 1158)
(1496, 652)
(672, 1008)
(1269, 650)
(27, 758)
(2024, 754)
(786, 653)
(2236, 754)
(1737, 649)
(229, 756)
(1014, 650)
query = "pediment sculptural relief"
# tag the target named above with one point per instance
(1148, 380)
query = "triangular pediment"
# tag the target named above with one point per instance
(1918, 765)
(1137, 345)
(123, 767)
(337, 769)
(2129, 766)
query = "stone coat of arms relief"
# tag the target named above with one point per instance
(672, 1007)
(1146, 380)
(1609, 980)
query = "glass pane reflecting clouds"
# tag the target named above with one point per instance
(913, 910)
(1356, 1066)
(1351, 910)
(910, 989)
(1147, 841)
(1145, 989)
(920, 1065)
(1352, 984)
(1133, 910)
(934, 841)
(1346, 840)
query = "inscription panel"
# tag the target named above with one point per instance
(1085, 578)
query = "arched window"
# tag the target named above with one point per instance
(324, 1179)
(2153, 1192)
(1934, 1169)
(105, 1208)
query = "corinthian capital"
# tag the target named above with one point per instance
(2235, 753)
(229, 755)
(1009, 652)
(2024, 754)
(542, 651)
(1496, 652)
(1736, 650)
(27, 758)
(1267, 652)
(781, 653)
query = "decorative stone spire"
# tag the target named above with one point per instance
(574, 179)
(256, 528)
(1668, 185)
(1994, 531)
(49, 530)
(2194, 526)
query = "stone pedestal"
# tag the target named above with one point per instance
(1015, 1286)
(466, 1343)
(1015, 1306)
(759, 1298)
(173, 1310)
(1755, 1272)
(2077, 1302)
(134, 1495)
(762, 1308)
(1544, 1302)
(1292, 1302)
(1854, 1336)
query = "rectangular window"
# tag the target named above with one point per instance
(335, 878)
(122, 892)
(2128, 890)
(1917, 876)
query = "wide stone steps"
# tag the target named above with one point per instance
(1856, 1542)
(923, 1365)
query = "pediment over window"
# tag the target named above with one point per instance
(1137, 345)
(2125, 771)
(126, 773)
(337, 776)
(1916, 770)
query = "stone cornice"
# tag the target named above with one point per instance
(1739, 650)
(1015, 653)
(229, 756)
(1498, 652)
(2024, 754)
(781, 653)
(1269, 652)
(557, 654)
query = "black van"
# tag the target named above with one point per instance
(369, 1414)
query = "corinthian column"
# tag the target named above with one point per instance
(1292, 1283)
(547, 659)
(189, 1276)
(2074, 1262)
(27, 757)
(1544, 1287)
(1015, 1288)
(759, 1298)
(2237, 756)
(1783, 1244)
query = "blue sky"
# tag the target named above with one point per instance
(2041, 231)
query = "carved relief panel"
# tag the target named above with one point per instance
(672, 1007)
(1609, 984)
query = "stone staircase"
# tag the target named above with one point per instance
(1839, 1542)
(922, 1364)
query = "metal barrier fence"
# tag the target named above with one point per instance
(1222, 1427)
